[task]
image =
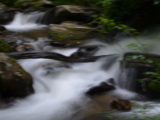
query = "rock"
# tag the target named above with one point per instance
(63, 13)
(100, 89)
(24, 47)
(14, 81)
(121, 104)
(98, 107)
(37, 33)
(2, 28)
(34, 4)
(70, 33)
(141, 63)
(85, 51)
(6, 15)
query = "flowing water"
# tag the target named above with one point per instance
(60, 87)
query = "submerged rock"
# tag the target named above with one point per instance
(63, 13)
(14, 81)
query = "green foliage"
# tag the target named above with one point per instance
(8, 2)
(151, 78)
(107, 25)
(5, 47)
(156, 2)
(138, 46)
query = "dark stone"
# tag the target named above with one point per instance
(100, 89)
(2, 28)
(14, 81)
(63, 13)
(6, 15)
(85, 51)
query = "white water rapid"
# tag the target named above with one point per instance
(24, 22)
(60, 87)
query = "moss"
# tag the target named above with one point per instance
(66, 34)
(5, 47)
(154, 86)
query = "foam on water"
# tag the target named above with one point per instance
(60, 91)
(24, 22)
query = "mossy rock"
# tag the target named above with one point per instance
(5, 47)
(14, 81)
(145, 68)
(70, 33)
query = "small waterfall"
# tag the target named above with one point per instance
(25, 22)
(60, 87)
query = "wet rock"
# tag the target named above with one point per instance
(2, 28)
(70, 33)
(141, 63)
(24, 47)
(14, 81)
(6, 15)
(85, 51)
(121, 104)
(35, 34)
(63, 13)
(98, 107)
(100, 89)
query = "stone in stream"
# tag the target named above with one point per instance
(141, 64)
(99, 106)
(6, 14)
(2, 28)
(14, 81)
(100, 89)
(70, 33)
(121, 104)
(63, 13)
(24, 47)
(85, 51)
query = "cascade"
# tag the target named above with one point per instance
(60, 91)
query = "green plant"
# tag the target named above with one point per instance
(107, 25)
(138, 46)
(5, 47)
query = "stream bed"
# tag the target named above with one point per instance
(60, 87)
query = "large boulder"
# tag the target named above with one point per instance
(14, 81)
(70, 33)
(145, 71)
(63, 13)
